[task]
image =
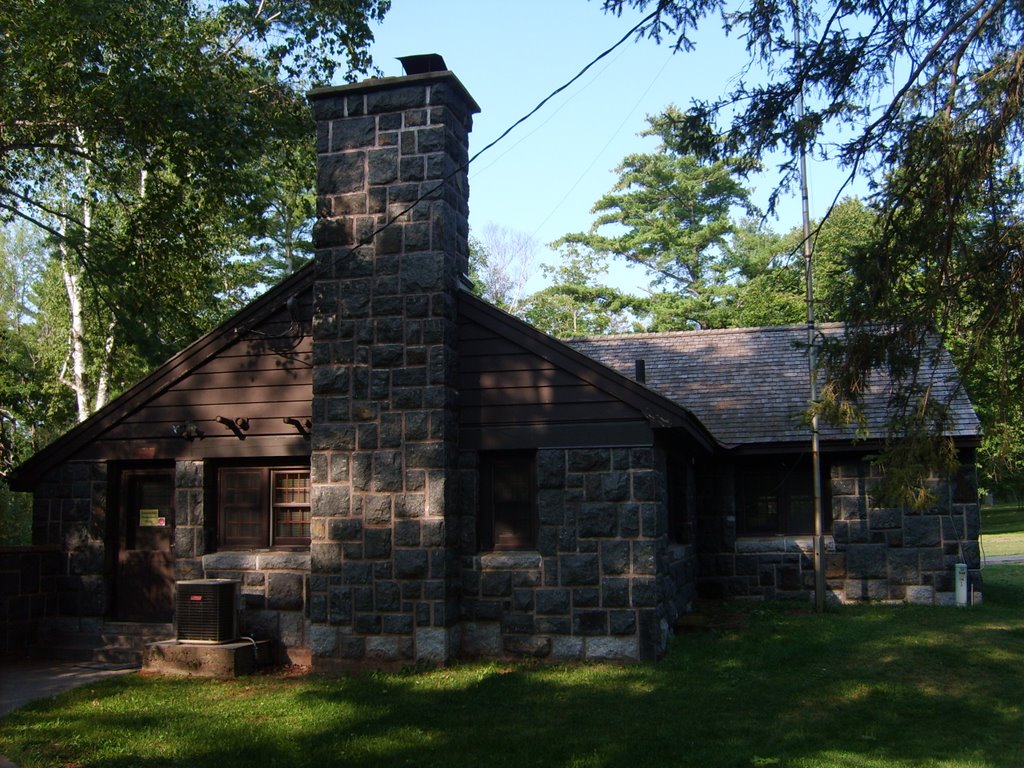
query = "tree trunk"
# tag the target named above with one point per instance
(72, 287)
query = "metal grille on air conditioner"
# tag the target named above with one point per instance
(205, 611)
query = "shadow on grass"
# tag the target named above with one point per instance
(861, 687)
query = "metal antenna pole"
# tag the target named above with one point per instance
(819, 523)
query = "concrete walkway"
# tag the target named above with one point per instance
(25, 681)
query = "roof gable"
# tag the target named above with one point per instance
(119, 420)
(535, 363)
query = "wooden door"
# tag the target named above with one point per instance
(145, 558)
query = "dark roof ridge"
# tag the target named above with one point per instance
(706, 332)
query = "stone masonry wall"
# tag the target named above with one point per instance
(593, 588)
(884, 554)
(274, 584)
(383, 576)
(70, 514)
(274, 589)
(28, 594)
(897, 554)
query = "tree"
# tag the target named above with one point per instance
(577, 303)
(938, 149)
(142, 137)
(500, 264)
(671, 213)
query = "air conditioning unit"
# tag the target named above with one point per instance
(205, 611)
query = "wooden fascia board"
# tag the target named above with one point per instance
(165, 376)
(656, 409)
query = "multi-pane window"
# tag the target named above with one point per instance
(776, 496)
(508, 511)
(263, 506)
(290, 506)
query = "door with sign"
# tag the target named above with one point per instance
(145, 557)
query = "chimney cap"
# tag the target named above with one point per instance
(423, 63)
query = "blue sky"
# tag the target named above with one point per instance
(544, 177)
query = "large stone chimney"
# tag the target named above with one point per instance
(391, 250)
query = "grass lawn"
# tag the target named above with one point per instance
(860, 687)
(1002, 530)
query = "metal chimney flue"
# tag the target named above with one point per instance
(423, 63)
(641, 371)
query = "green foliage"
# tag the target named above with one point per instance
(577, 303)
(162, 150)
(927, 100)
(671, 213)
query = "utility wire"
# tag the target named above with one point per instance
(369, 238)
(606, 145)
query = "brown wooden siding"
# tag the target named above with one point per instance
(265, 376)
(510, 396)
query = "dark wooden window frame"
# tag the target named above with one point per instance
(249, 513)
(507, 517)
(784, 480)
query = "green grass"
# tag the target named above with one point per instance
(860, 687)
(1002, 530)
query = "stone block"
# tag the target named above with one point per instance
(644, 593)
(589, 460)
(621, 622)
(285, 591)
(578, 570)
(388, 648)
(590, 623)
(397, 624)
(552, 601)
(529, 646)
(522, 600)
(433, 644)
(481, 639)
(866, 561)
(376, 543)
(645, 557)
(879, 519)
(496, 584)
(920, 595)
(230, 561)
(330, 500)
(904, 566)
(611, 649)
(866, 589)
(387, 596)
(597, 520)
(921, 531)
(615, 593)
(323, 640)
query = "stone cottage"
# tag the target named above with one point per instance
(395, 471)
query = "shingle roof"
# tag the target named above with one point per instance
(749, 386)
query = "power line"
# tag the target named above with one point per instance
(369, 238)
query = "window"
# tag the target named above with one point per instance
(263, 506)
(776, 496)
(508, 512)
